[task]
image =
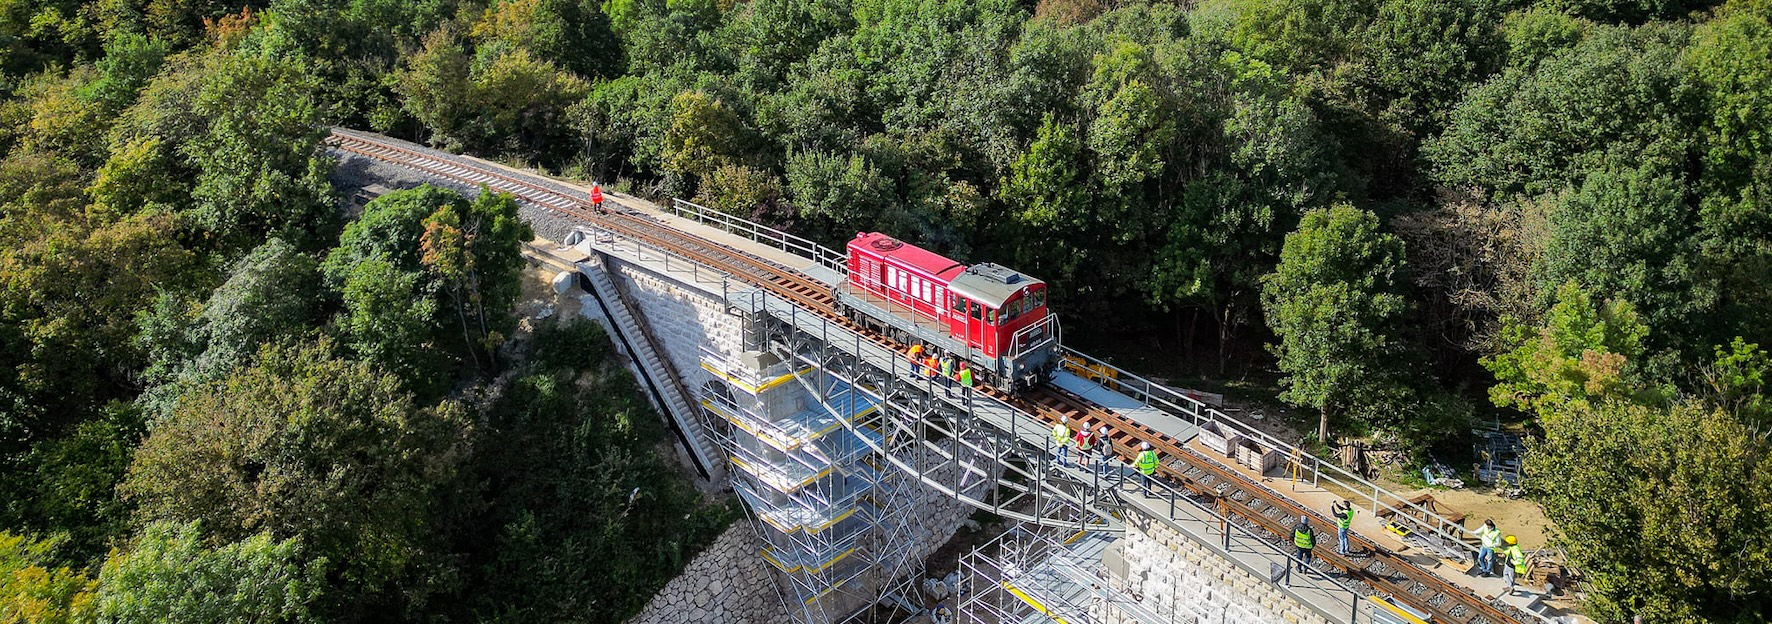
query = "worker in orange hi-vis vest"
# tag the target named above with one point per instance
(597, 196)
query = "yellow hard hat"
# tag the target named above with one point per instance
(1510, 539)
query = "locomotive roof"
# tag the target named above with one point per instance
(905, 253)
(990, 284)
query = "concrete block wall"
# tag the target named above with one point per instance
(1167, 568)
(683, 319)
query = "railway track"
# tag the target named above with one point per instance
(1383, 571)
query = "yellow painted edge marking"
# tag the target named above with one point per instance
(827, 564)
(783, 379)
(778, 565)
(833, 521)
(1411, 619)
(770, 481)
(741, 423)
(840, 421)
(748, 388)
(1074, 538)
(1031, 602)
(826, 592)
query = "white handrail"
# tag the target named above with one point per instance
(759, 233)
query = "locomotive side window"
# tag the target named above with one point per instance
(977, 311)
(959, 305)
(990, 317)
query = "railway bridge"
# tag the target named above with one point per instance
(853, 466)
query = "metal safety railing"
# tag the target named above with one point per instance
(1348, 484)
(759, 233)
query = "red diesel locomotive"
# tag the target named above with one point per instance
(986, 314)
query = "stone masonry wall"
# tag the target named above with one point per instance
(725, 584)
(1167, 568)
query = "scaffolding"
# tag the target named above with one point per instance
(832, 517)
(1032, 575)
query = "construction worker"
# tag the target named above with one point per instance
(1085, 440)
(915, 354)
(1343, 512)
(597, 196)
(931, 366)
(1105, 446)
(1061, 439)
(966, 379)
(1146, 464)
(1305, 539)
(1490, 539)
(1516, 560)
(947, 373)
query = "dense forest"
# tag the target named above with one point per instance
(225, 398)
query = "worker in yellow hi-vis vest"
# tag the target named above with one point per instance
(1343, 512)
(1061, 440)
(1305, 539)
(1146, 464)
(966, 383)
(1516, 560)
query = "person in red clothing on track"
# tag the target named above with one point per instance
(597, 197)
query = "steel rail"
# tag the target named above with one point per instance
(1384, 571)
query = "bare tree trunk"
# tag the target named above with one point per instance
(1323, 426)
(1224, 336)
(467, 333)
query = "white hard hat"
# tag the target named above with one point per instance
(1064, 419)
(1144, 446)
(1103, 430)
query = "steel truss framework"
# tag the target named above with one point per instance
(981, 451)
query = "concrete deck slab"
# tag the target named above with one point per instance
(1168, 424)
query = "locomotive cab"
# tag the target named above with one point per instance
(1003, 313)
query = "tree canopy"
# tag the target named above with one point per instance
(1560, 206)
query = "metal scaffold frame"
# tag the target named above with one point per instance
(1029, 574)
(833, 520)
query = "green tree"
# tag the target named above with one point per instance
(704, 134)
(1335, 301)
(1630, 235)
(391, 321)
(1737, 381)
(434, 87)
(33, 590)
(1584, 353)
(170, 574)
(1663, 509)
(1616, 94)
(272, 295)
(462, 258)
(74, 479)
(307, 445)
(260, 167)
(473, 254)
(572, 450)
(573, 34)
(838, 196)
